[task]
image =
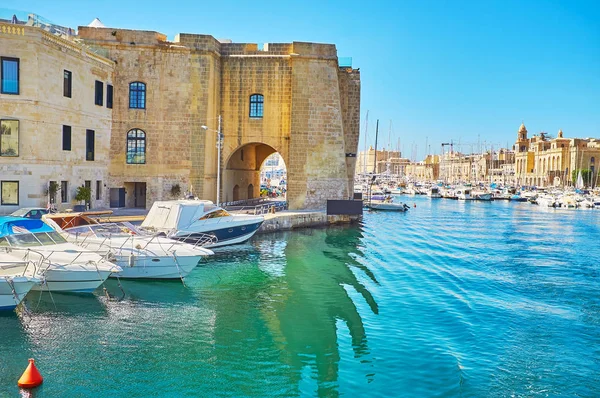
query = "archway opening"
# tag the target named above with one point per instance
(254, 170)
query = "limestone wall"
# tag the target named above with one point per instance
(42, 110)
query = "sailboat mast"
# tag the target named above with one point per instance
(365, 158)
(376, 135)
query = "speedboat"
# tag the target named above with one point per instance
(192, 221)
(434, 192)
(60, 265)
(138, 253)
(487, 196)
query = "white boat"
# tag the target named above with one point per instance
(434, 192)
(386, 203)
(191, 220)
(464, 193)
(139, 254)
(13, 290)
(487, 196)
(60, 265)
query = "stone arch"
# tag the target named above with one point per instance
(244, 170)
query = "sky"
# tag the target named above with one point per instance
(432, 71)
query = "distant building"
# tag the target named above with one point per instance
(426, 171)
(541, 161)
(365, 163)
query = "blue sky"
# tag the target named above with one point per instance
(467, 71)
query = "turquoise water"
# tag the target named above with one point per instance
(450, 299)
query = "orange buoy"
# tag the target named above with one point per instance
(414, 205)
(31, 377)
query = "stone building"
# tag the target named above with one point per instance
(290, 98)
(543, 162)
(365, 163)
(55, 119)
(426, 171)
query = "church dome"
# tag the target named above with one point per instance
(522, 129)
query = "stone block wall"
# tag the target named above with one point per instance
(42, 109)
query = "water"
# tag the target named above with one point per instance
(450, 299)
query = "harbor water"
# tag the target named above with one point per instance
(452, 298)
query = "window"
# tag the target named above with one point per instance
(89, 144)
(9, 75)
(64, 191)
(137, 95)
(10, 193)
(88, 186)
(66, 138)
(136, 147)
(98, 190)
(99, 97)
(109, 96)
(9, 138)
(256, 105)
(67, 83)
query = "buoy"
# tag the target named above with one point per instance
(31, 378)
(414, 205)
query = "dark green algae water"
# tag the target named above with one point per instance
(450, 299)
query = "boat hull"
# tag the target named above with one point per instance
(9, 299)
(72, 281)
(149, 268)
(225, 236)
(388, 206)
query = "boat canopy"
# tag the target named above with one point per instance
(19, 225)
(176, 214)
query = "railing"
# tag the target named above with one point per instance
(263, 207)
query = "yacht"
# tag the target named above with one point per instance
(60, 265)
(192, 220)
(139, 254)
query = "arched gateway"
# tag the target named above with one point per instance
(241, 175)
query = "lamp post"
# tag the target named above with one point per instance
(219, 144)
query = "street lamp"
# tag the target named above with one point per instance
(219, 144)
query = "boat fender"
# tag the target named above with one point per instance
(132, 260)
(415, 205)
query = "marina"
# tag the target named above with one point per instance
(358, 309)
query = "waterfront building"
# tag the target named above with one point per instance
(365, 163)
(541, 161)
(143, 115)
(55, 117)
(426, 171)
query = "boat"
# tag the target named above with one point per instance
(483, 196)
(138, 253)
(192, 220)
(60, 265)
(463, 193)
(386, 203)
(434, 192)
(13, 289)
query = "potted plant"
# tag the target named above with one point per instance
(52, 190)
(83, 194)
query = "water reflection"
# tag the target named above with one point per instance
(311, 299)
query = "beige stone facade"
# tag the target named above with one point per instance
(426, 171)
(544, 162)
(47, 135)
(309, 114)
(365, 163)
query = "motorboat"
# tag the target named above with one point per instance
(192, 220)
(486, 196)
(434, 192)
(138, 253)
(386, 203)
(13, 289)
(464, 193)
(60, 265)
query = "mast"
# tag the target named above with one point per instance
(375, 161)
(365, 158)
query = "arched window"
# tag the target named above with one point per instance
(137, 95)
(256, 105)
(592, 160)
(136, 147)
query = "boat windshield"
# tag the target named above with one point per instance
(32, 239)
(215, 214)
(105, 230)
